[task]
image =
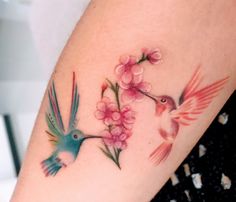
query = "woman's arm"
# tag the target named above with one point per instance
(117, 119)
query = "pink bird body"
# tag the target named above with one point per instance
(192, 102)
(168, 129)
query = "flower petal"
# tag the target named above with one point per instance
(105, 134)
(128, 126)
(137, 79)
(139, 97)
(127, 77)
(116, 116)
(154, 56)
(123, 145)
(112, 106)
(119, 69)
(124, 59)
(123, 85)
(106, 99)
(118, 144)
(116, 131)
(129, 118)
(127, 97)
(99, 115)
(108, 120)
(137, 69)
(123, 136)
(101, 106)
(132, 60)
(108, 141)
(126, 108)
(145, 86)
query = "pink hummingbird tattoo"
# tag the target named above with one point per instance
(192, 102)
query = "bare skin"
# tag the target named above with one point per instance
(188, 33)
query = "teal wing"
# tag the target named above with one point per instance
(53, 116)
(74, 105)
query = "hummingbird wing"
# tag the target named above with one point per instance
(74, 105)
(193, 100)
(53, 116)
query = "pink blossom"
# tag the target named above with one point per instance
(107, 111)
(133, 90)
(153, 56)
(128, 69)
(104, 88)
(116, 137)
(127, 117)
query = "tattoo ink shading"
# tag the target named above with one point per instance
(118, 116)
(192, 102)
(115, 111)
(66, 143)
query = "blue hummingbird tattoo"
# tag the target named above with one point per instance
(66, 143)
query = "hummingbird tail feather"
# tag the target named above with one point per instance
(161, 153)
(51, 166)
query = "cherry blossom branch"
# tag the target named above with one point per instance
(118, 116)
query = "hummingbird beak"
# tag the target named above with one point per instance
(92, 136)
(152, 97)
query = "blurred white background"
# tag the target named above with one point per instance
(32, 35)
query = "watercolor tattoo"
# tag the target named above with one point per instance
(114, 110)
(192, 102)
(66, 143)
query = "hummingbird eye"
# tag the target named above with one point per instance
(163, 100)
(75, 136)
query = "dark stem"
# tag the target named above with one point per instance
(117, 154)
(142, 59)
(118, 164)
(115, 89)
(117, 96)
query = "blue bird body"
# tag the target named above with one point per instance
(66, 143)
(66, 151)
(71, 142)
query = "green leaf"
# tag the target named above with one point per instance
(111, 156)
(107, 154)
(112, 86)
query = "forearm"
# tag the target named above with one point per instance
(189, 35)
